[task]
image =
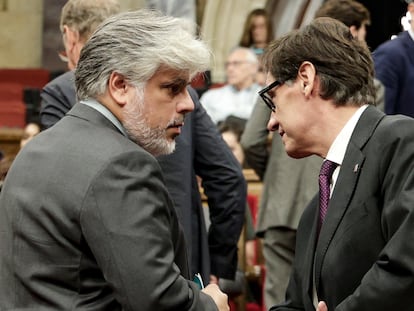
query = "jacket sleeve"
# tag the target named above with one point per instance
(225, 188)
(130, 225)
(255, 137)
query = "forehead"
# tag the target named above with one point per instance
(238, 55)
(258, 20)
(169, 75)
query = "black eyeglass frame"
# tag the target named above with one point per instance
(266, 98)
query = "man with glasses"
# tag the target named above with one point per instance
(353, 245)
(288, 185)
(237, 98)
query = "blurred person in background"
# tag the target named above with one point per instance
(357, 17)
(79, 19)
(238, 96)
(394, 67)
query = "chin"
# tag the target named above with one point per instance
(297, 154)
(167, 148)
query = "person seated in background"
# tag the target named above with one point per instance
(30, 130)
(231, 130)
(237, 98)
(357, 17)
(78, 20)
(257, 31)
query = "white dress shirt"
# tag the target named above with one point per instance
(227, 100)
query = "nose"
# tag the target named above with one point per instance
(273, 124)
(185, 103)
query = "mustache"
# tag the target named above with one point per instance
(176, 122)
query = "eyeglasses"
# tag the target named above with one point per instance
(266, 97)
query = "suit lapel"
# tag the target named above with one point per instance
(346, 183)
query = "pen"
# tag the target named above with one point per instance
(198, 279)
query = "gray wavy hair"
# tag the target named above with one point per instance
(136, 44)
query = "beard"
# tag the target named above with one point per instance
(154, 140)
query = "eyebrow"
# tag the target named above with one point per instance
(176, 82)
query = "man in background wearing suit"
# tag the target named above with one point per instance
(86, 220)
(78, 20)
(394, 67)
(353, 245)
(199, 150)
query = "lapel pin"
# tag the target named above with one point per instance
(356, 167)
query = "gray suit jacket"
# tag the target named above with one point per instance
(199, 150)
(86, 223)
(288, 184)
(364, 259)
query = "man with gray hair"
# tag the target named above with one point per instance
(238, 97)
(86, 219)
(78, 20)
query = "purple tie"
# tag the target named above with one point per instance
(325, 175)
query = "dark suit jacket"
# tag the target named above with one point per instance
(86, 223)
(199, 150)
(394, 67)
(58, 97)
(364, 259)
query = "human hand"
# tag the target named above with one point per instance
(322, 306)
(218, 296)
(214, 279)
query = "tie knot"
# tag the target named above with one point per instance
(328, 168)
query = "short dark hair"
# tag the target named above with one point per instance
(349, 12)
(343, 64)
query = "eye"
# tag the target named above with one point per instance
(175, 89)
(271, 94)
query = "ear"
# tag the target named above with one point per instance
(354, 31)
(307, 77)
(71, 43)
(118, 88)
(71, 37)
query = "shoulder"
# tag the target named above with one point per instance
(66, 79)
(391, 47)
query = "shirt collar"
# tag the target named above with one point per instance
(411, 33)
(337, 150)
(106, 113)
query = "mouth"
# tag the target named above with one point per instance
(175, 128)
(176, 125)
